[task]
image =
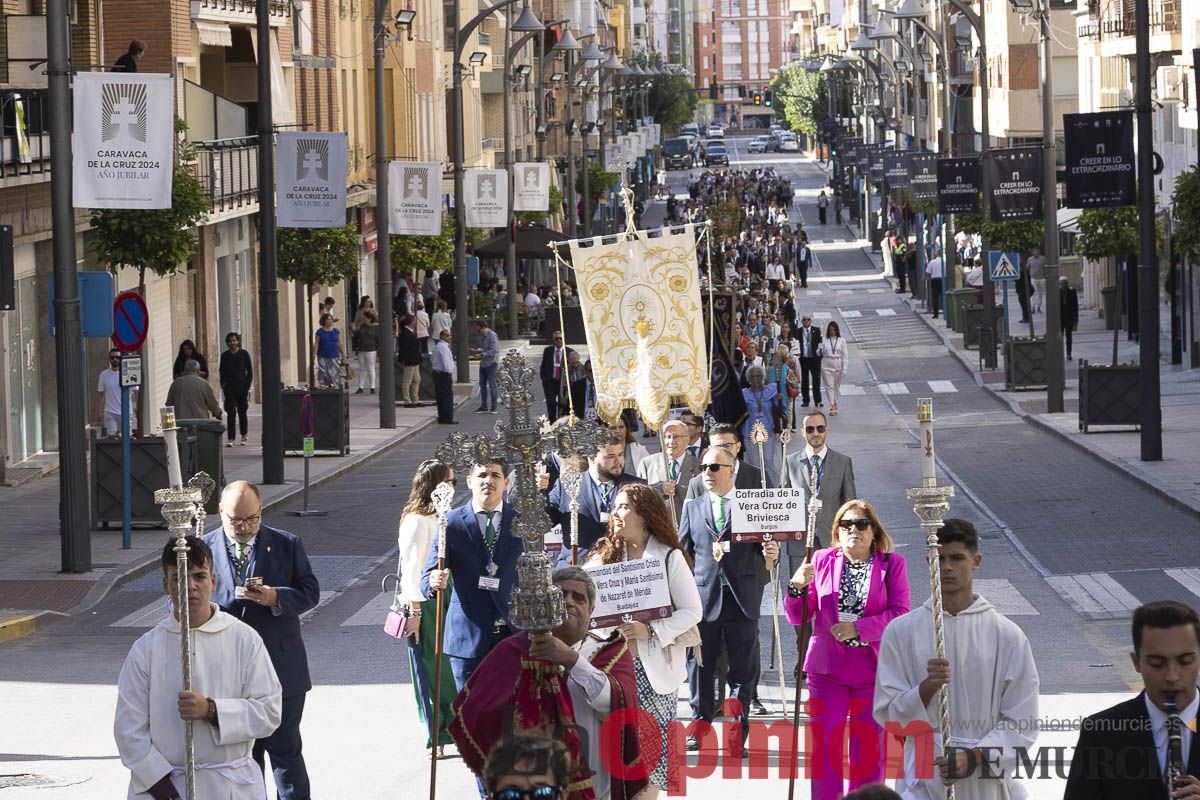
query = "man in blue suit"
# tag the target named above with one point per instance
(481, 558)
(597, 491)
(243, 548)
(728, 577)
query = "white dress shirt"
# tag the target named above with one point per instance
(1158, 719)
(443, 357)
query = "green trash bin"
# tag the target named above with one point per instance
(1108, 296)
(210, 454)
(956, 300)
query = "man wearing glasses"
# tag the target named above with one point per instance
(263, 577)
(554, 372)
(808, 340)
(108, 413)
(834, 476)
(670, 473)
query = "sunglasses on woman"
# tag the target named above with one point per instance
(539, 792)
(860, 524)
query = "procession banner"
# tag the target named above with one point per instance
(310, 182)
(531, 186)
(414, 198)
(728, 402)
(1016, 177)
(958, 185)
(768, 515)
(641, 305)
(1100, 161)
(922, 176)
(124, 126)
(895, 168)
(485, 198)
(629, 591)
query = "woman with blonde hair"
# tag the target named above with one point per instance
(418, 530)
(854, 588)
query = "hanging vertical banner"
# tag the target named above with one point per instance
(876, 153)
(612, 158)
(655, 134)
(531, 186)
(895, 168)
(1100, 162)
(862, 156)
(958, 185)
(922, 176)
(124, 140)
(1016, 177)
(310, 183)
(485, 198)
(626, 143)
(414, 198)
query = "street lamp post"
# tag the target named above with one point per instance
(1150, 410)
(510, 248)
(524, 24)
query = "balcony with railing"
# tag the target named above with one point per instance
(228, 169)
(25, 144)
(240, 11)
(1115, 19)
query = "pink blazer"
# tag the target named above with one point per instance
(887, 598)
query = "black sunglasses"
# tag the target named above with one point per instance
(847, 524)
(814, 429)
(715, 467)
(539, 792)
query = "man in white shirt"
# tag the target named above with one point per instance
(934, 270)
(235, 696)
(988, 671)
(443, 378)
(108, 413)
(1123, 751)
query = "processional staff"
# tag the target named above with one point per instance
(183, 509)
(442, 495)
(930, 504)
(759, 436)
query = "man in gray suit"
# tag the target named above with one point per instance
(834, 475)
(671, 473)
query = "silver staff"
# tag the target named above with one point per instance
(183, 509)
(572, 481)
(442, 495)
(759, 436)
(930, 504)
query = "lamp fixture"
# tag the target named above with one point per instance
(912, 9)
(862, 42)
(568, 43)
(828, 64)
(592, 53)
(521, 70)
(555, 77)
(527, 22)
(477, 58)
(613, 64)
(405, 17)
(882, 31)
(1022, 6)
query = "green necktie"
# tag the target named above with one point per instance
(490, 534)
(674, 470)
(243, 559)
(720, 516)
(606, 492)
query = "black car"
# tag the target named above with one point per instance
(715, 154)
(678, 153)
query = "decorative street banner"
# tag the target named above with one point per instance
(626, 143)
(630, 591)
(641, 305)
(1101, 170)
(485, 198)
(922, 176)
(1016, 178)
(414, 198)
(768, 515)
(612, 159)
(531, 186)
(895, 168)
(876, 153)
(310, 184)
(862, 156)
(958, 185)
(124, 140)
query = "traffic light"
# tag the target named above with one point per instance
(767, 98)
(757, 99)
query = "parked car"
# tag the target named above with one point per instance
(715, 154)
(691, 128)
(759, 144)
(678, 153)
(788, 143)
(716, 132)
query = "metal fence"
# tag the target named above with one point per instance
(228, 168)
(25, 144)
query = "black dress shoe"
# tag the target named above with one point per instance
(757, 708)
(447, 422)
(692, 744)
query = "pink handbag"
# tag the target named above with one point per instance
(393, 625)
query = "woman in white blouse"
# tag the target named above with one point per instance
(418, 529)
(640, 527)
(832, 351)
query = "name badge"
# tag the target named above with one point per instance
(554, 539)
(604, 517)
(725, 546)
(489, 584)
(846, 616)
(239, 593)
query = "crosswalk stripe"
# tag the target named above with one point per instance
(1004, 596)
(822, 315)
(942, 387)
(372, 612)
(147, 616)
(893, 388)
(852, 390)
(1188, 577)
(1094, 594)
(852, 314)
(876, 291)
(886, 312)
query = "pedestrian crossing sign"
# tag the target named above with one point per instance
(1003, 265)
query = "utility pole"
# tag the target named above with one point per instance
(74, 521)
(510, 244)
(271, 383)
(1150, 410)
(462, 348)
(1054, 351)
(383, 250)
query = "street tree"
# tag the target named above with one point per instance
(800, 97)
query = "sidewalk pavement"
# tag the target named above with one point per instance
(31, 585)
(1175, 477)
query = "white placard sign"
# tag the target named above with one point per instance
(630, 590)
(485, 198)
(414, 198)
(768, 515)
(124, 140)
(310, 185)
(655, 134)
(612, 158)
(626, 144)
(531, 186)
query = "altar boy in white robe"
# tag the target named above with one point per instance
(235, 697)
(988, 671)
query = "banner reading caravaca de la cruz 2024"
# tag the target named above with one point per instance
(485, 198)
(310, 184)
(124, 140)
(414, 198)
(531, 186)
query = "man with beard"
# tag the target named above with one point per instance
(605, 473)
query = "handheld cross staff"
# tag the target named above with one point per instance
(442, 495)
(758, 436)
(930, 504)
(183, 509)
(572, 481)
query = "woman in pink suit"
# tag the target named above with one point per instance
(854, 589)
